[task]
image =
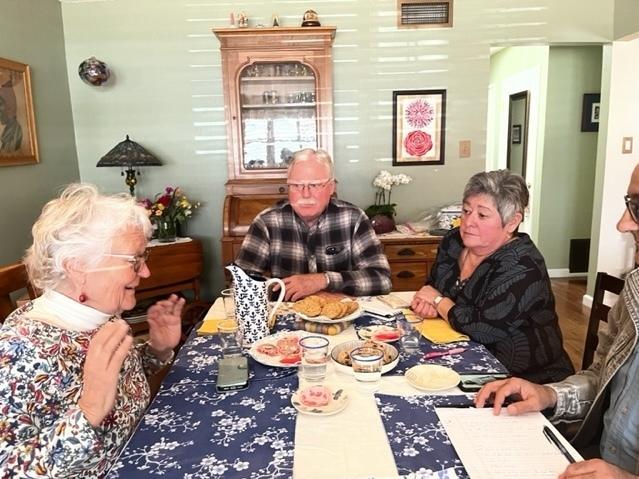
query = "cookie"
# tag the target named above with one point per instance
(332, 310)
(309, 308)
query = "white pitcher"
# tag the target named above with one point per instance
(251, 303)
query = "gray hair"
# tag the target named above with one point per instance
(320, 156)
(508, 191)
(80, 224)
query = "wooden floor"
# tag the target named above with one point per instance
(573, 315)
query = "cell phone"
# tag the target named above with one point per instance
(232, 374)
(474, 382)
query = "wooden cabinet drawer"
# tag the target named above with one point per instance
(411, 251)
(409, 276)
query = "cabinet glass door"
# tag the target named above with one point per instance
(278, 111)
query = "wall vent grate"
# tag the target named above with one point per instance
(425, 13)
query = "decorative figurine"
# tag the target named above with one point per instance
(94, 72)
(276, 21)
(311, 19)
(242, 20)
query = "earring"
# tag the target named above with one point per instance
(82, 298)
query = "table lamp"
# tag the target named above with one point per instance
(129, 154)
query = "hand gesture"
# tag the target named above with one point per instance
(422, 302)
(595, 469)
(165, 326)
(534, 397)
(299, 286)
(106, 353)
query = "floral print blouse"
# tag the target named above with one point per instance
(43, 432)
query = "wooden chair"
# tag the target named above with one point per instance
(13, 278)
(599, 312)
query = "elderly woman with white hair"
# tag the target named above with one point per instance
(491, 283)
(72, 384)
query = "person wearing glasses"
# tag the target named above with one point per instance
(604, 396)
(72, 383)
(490, 282)
(314, 241)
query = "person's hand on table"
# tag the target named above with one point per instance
(299, 286)
(422, 302)
(595, 469)
(165, 326)
(534, 397)
(105, 355)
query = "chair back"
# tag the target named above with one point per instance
(599, 312)
(13, 278)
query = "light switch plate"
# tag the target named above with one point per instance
(626, 145)
(464, 149)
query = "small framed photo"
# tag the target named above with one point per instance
(18, 145)
(419, 126)
(590, 112)
(515, 135)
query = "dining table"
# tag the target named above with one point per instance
(192, 431)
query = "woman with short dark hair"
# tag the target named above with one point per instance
(491, 283)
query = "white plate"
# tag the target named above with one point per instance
(267, 360)
(432, 377)
(326, 320)
(390, 351)
(337, 403)
(369, 332)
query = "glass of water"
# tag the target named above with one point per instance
(230, 338)
(367, 366)
(314, 358)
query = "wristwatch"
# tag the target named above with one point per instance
(437, 300)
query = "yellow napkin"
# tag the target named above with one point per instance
(437, 330)
(212, 318)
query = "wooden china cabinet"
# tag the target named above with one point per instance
(278, 91)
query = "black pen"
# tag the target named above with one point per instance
(555, 440)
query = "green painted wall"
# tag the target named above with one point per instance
(626, 18)
(31, 33)
(569, 154)
(167, 92)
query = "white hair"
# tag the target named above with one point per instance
(81, 224)
(320, 156)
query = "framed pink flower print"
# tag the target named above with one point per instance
(419, 126)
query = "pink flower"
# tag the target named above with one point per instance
(419, 113)
(418, 143)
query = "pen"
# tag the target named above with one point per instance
(437, 354)
(555, 440)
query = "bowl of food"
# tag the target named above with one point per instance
(340, 354)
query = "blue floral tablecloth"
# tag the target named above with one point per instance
(475, 360)
(418, 440)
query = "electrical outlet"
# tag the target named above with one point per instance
(626, 145)
(464, 149)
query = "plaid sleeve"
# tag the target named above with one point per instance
(371, 272)
(254, 254)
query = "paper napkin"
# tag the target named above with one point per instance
(440, 332)
(212, 318)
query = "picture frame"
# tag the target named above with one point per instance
(590, 112)
(18, 141)
(419, 127)
(515, 135)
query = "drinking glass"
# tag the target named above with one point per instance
(409, 329)
(367, 366)
(230, 338)
(314, 358)
(229, 303)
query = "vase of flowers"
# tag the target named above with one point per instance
(168, 210)
(381, 213)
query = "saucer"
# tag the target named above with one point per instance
(432, 377)
(338, 402)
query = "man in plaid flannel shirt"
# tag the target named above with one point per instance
(314, 241)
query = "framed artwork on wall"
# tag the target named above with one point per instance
(590, 112)
(18, 145)
(419, 126)
(515, 135)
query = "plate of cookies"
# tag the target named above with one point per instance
(340, 354)
(319, 309)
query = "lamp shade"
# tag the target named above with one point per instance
(129, 154)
